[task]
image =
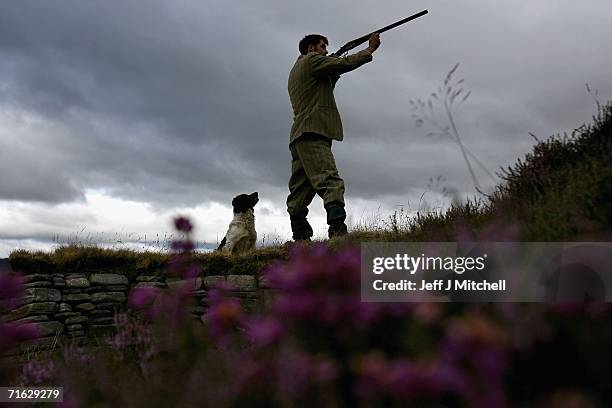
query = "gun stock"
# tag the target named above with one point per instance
(358, 41)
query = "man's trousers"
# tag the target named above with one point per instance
(313, 171)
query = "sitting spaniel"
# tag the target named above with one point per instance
(241, 235)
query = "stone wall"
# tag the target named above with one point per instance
(80, 306)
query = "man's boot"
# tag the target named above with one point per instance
(335, 219)
(302, 231)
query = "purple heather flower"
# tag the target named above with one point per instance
(170, 306)
(183, 245)
(183, 224)
(35, 372)
(224, 317)
(143, 297)
(402, 378)
(322, 286)
(251, 373)
(317, 267)
(427, 312)
(11, 288)
(224, 313)
(192, 272)
(12, 333)
(448, 378)
(132, 334)
(73, 354)
(491, 363)
(324, 370)
(220, 291)
(298, 370)
(176, 263)
(264, 331)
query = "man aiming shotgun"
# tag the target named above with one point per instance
(316, 122)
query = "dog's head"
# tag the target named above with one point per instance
(244, 202)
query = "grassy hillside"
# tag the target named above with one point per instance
(561, 191)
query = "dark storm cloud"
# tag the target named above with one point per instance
(159, 102)
(179, 103)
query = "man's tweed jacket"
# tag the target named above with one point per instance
(311, 90)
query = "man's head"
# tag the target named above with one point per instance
(313, 42)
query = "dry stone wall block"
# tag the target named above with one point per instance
(32, 319)
(160, 285)
(31, 295)
(76, 320)
(37, 277)
(213, 280)
(149, 278)
(101, 313)
(50, 328)
(66, 315)
(65, 307)
(242, 282)
(39, 284)
(77, 298)
(100, 297)
(108, 279)
(85, 307)
(77, 282)
(42, 308)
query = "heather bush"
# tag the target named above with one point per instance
(315, 342)
(12, 333)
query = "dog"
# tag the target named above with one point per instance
(241, 235)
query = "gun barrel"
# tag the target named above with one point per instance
(352, 44)
(398, 23)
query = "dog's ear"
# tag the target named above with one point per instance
(254, 198)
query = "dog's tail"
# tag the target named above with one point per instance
(222, 244)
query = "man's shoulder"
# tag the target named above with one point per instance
(310, 57)
(303, 65)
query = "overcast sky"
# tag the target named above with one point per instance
(117, 115)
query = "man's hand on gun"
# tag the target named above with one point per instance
(374, 42)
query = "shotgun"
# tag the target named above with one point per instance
(355, 43)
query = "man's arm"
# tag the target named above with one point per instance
(334, 66)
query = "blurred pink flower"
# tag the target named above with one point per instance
(183, 224)
(224, 314)
(183, 246)
(11, 289)
(37, 372)
(192, 272)
(11, 334)
(264, 331)
(323, 286)
(298, 371)
(405, 379)
(133, 335)
(143, 297)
